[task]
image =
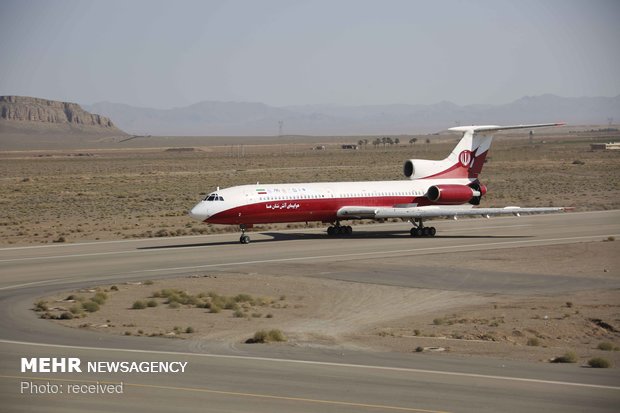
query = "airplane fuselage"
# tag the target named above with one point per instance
(306, 202)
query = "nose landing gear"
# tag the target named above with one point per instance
(244, 239)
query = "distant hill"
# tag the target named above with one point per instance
(27, 110)
(28, 122)
(244, 118)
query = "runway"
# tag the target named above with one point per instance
(288, 378)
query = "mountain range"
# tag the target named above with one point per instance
(248, 118)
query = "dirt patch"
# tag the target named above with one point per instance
(314, 311)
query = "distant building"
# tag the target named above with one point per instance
(353, 146)
(605, 146)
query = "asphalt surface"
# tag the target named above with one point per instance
(271, 378)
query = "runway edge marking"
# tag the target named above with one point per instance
(322, 363)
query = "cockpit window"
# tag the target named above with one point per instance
(213, 197)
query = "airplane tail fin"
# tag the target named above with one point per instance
(467, 157)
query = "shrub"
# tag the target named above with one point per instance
(439, 321)
(419, 349)
(605, 346)
(65, 316)
(152, 303)
(100, 298)
(174, 304)
(139, 305)
(569, 357)
(275, 335)
(238, 313)
(114, 288)
(533, 342)
(76, 309)
(149, 282)
(599, 363)
(243, 298)
(215, 309)
(416, 332)
(189, 330)
(263, 336)
(41, 305)
(259, 337)
(91, 306)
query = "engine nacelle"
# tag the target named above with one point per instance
(453, 194)
(421, 168)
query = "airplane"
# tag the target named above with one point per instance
(447, 188)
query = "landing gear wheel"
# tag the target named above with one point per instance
(339, 230)
(244, 239)
(423, 232)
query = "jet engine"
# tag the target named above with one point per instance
(421, 168)
(453, 194)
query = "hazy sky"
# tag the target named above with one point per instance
(174, 53)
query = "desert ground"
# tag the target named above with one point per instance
(229, 308)
(101, 194)
(75, 195)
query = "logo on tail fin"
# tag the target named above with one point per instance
(465, 158)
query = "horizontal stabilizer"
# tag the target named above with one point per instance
(494, 128)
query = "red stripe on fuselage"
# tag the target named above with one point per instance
(323, 210)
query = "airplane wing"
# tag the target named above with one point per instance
(413, 212)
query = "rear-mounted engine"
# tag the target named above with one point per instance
(454, 194)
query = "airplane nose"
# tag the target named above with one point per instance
(199, 212)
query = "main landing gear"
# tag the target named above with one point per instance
(244, 239)
(337, 229)
(419, 230)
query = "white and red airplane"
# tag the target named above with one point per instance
(447, 188)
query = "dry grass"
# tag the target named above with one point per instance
(57, 196)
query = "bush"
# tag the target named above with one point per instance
(533, 342)
(41, 305)
(263, 336)
(114, 288)
(66, 316)
(243, 298)
(275, 335)
(605, 346)
(599, 363)
(215, 309)
(139, 305)
(569, 357)
(76, 309)
(174, 304)
(152, 303)
(439, 321)
(91, 306)
(238, 314)
(100, 298)
(419, 349)
(189, 330)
